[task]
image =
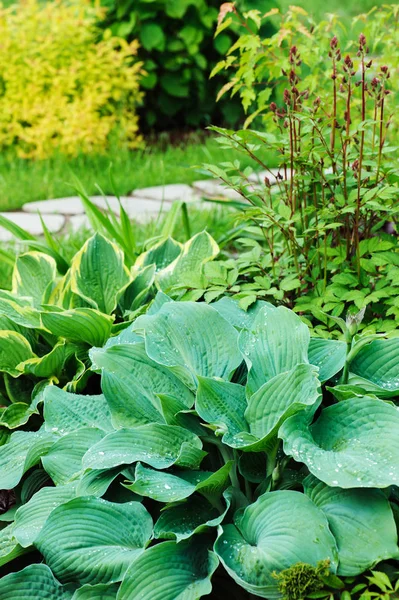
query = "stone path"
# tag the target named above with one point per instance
(66, 214)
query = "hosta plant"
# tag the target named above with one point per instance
(201, 448)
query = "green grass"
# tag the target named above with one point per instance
(24, 181)
(344, 8)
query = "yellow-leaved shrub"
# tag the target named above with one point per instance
(65, 86)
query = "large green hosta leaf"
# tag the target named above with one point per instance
(276, 341)
(361, 522)
(354, 443)
(130, 381)
(30, 517)
(21, 452)
(377, 363)
(65, 412)
(79, 325)
(160, 254)
(277, 531)
(33, 273)
(159, 446)
(19, 310)
(171, 571)
(191, 338)
(96, 592)
(231, 311)
(98, 274)
(94, 541)
(328, 355)
(9, 546)
(14, 349)
(35, 582)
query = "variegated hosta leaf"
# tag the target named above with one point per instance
(65, 412)
(169, 571)
(328, 355)
(277, 531)
(159, 446)
(79, 325)
(49, 365)
(30, 517)
(192, 339)
(130, 381)
(14, 349)
(34, 274)
(16, 415)
(90, 540)
(137, 292)
(276, 341)
(19, 310)
(361, 522)
(98, 273)
(21, 452)
(376, 368)
(171, 487)
(35, 582)
(160, 254)
(186, 269)
(353, 443)
(63, 461)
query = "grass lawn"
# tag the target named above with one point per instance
(24, 180)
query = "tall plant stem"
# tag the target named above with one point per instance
(359, 175)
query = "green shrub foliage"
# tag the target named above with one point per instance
(153, 448)
(179, 51)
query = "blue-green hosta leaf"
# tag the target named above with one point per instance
(9, 547)
(79, 325)
(101, 591)
(191, 338)
(328, 355)
(126, 336)
(30, 517)
(21, 452)
(96, 482)
(236, 316)
(32, 483)
(277, 531)
(35, 582)
(130, 381)
(353, 443)
(98, 273)
(378, 364)
(361, 522)
(65, 412)
(195, 515)
(157, 445)
(172, 487)
(63, 461)
(159, 300)
(19, 310)
(14, 349)
(186, 269)
(170, 571)
(276, 342)
(32, 275)
(160, 254)
(91, 540)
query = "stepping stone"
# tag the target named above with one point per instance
(61, 206)
(31, 223)
(77, 222)
(139, 209)
(168, 193)
(213, 188)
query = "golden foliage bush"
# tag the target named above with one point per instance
(65, 86)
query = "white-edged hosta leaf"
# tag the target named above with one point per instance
(30, 517)
(91, 540)
(98, 273)
(14, 349)
(378, 363)
(278, 530)
(101, 591)
(47, 366)
(79, 325)
(172, 487)
(63, 461)
(65, 412)
(9, 547)
(19, 310)
(131, 380)
(276, 341)
(32, 274)
(8, 325)
(154, 444)
(230, 309)
(353, 443)
(360, 520)
(191, 338)
(21, 452)
(170, 571)
(16, 415)
(160, 254)
(186, 269)
(328, 355)
(35, 582)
